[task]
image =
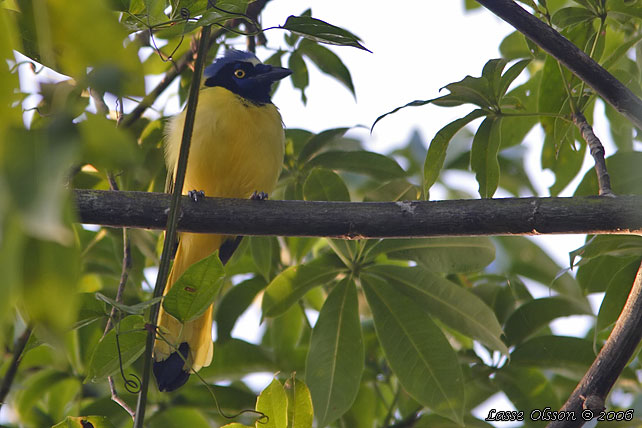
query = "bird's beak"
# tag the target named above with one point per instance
(270, 73)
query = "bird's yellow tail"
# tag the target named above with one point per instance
(193, 339)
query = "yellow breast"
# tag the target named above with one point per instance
(236, 149)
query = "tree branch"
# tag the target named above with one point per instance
(583, 66)
(590, 393)
(597, 151)
(18, 349)
(352, 220)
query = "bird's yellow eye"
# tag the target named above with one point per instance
(239, 73)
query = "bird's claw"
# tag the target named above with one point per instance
(259, 196)
(196, 195)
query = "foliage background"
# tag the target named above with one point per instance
(414, 297)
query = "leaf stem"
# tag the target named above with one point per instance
(172, 220)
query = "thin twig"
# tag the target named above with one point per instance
(10, 375)
(172, 220)
(115, 398)
(597, 151)
(591, 392)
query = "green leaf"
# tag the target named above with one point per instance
(300, 77)
(415, 103)
(596, 275)
(236, 358)
(234, 303)
(625, 172)
(416, 349)
(483, 156)
(322, 32)
(292, 284)
(273, 403)
(437, 150)
(567, 16)
(571, 355)
(178, 416)
(265, 253)
(328, 62)
(131, 341)
(527, 388)
(514, 46)
(511, 74)
(453, 305)
(448, 255)
(34, 389)
(300, 412)
(106, 146)
(318, 141)
(535, 314)
(136, 309)
(84, 422)
(195, 290)
(609, 245)
(325, 185)
(617, 291)
(363, 162)
(336, 356)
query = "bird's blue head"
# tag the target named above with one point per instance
(242, 73)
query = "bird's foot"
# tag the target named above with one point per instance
(259, 196)
(196, 195)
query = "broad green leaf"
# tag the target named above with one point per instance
(318, 141)
(621, 129)
(195, 290)
(514, 46)
(437, 150)
(136, 309)
(416, 349)
(448, 255)
(374, 164)
(568, 16)
(469, 90)
(595, 275)
(273, 403)
(178, 416)
(236, 358)
(106, 146)
(322, 32)
(445, 300)
(300, 412)
(529, 318)
(336, 356)
(35, 387)
(625, 7)
(265, 253)
(292, 284)
(617, 292)
(609, 245)
(511, 74)
(325, 185)
(234, 303)
(527, 388)
(300, 77)
(483, 156)
(625, 172)
(84, 422)
(328, 62)
(284, 334)
(571, 355)
(131, 341)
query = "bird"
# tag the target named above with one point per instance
(236, 151)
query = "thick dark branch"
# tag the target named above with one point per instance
(603, 82)
(597, 151)
(592, 390)
(351, 220)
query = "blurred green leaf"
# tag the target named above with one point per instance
(595, 275)
(292, 284)
(234, 303)
(617, 291)
(336, 356)
(84, 422)
(416, 349)
(527, 388)
(626, 175)
(136, 309)
(325, 185)
(273, 403)
(322, 32)
(446, 255)
(300, 77)
(106, 146)
(483, 156)
(299, 403)
(131, 344)
(316, 142)
(514, 46)
(265, 253)
(437, 150)
(530, 317)
(177, 416)
(445, 300)
(572, 355)
(236, 358)
(608, 245)
(195, 290)
(568, 16)
(370, 163)
(327, 61)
